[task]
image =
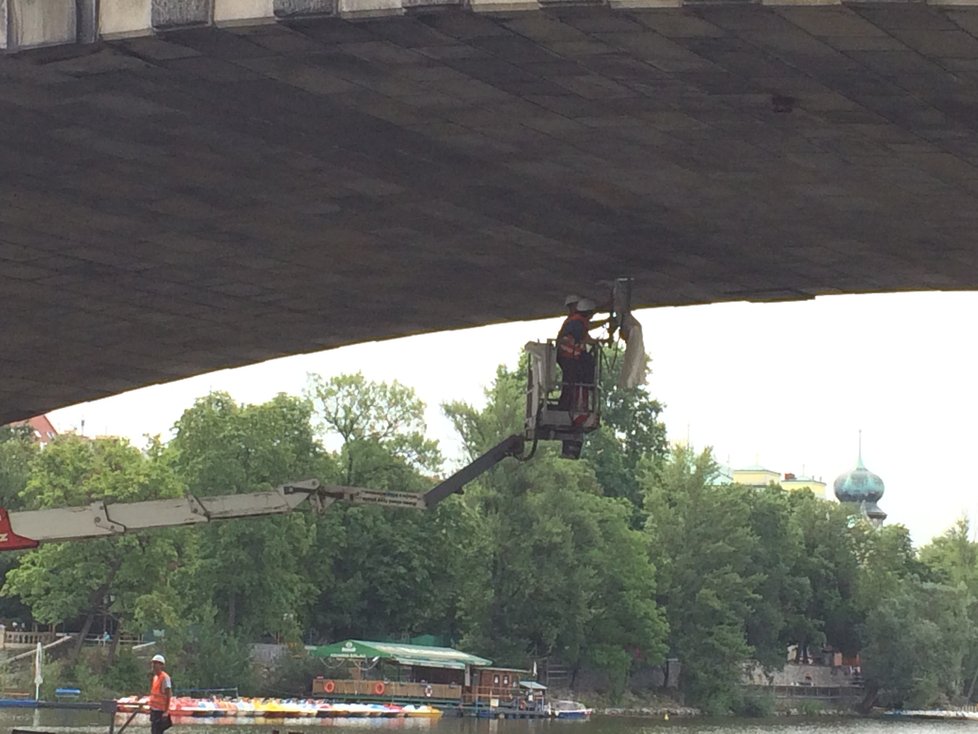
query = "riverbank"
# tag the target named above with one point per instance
(631, 704)
(755, 705)
(674, 711)
(656, 712)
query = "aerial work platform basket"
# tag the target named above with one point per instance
(557, 410)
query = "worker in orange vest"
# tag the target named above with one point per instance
(160, 693)
(576, 362)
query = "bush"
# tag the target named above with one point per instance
(292, 674)
(214, 659)
(127, 675)
(719, 703)
(756, 705)
(809, 708)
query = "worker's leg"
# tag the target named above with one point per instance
(155, 721)
(586, 383)
(568, 371)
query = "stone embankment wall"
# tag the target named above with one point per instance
(796, 674)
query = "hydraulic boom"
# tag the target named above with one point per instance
(28, 529)
(99, 519)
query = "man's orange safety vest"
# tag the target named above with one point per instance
(567, 345)
(157, 691)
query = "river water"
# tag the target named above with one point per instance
(88, 722)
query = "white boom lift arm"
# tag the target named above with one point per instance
(99, 519)
(30, 528)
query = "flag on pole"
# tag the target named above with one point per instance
(38, 676)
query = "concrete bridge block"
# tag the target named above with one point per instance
(118, 18)
(799, 3)
(234, 11)
(33, 23)
(639, 4)
(501, 6)
(292, 8)
(369, 8)
(415, 4)
(178, 13)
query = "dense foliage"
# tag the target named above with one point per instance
(632, 555)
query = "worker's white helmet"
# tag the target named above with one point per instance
(159, 659)
(586, 304)
(571, 299)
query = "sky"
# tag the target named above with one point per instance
(785, 385)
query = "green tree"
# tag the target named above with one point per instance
(368, 416)
(17, 450)
(556, 570)
(382, 573)
(778, 615)
(701, 541)
(887, 560)
(952, 559)
(248, 576)
(829, 562)
(914, 653)
(631, 434)
(385, 574)
(106, 576)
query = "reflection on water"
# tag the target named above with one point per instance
(63, 721)
(232, 724)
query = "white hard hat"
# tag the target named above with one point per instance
(586, 304)
(571, 299)
(159, 659)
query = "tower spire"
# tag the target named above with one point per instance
(861, 490)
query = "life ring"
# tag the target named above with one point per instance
(329, 687)
(378, 688)
(427, 691)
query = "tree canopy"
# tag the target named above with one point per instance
(636, 553)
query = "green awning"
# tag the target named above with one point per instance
(532, 685)
(417, 655)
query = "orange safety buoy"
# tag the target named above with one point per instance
(329, 687)
(378, 688)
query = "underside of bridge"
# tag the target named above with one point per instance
(210, 197)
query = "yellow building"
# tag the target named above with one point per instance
(758, 476)
(793, 483)
(755, 476)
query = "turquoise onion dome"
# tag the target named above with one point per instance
(861, 487)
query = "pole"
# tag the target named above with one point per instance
(38, 676)
(123, 727)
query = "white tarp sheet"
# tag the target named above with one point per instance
(634, 367)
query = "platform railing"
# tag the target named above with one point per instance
(11, 638)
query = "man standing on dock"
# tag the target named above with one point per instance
(160, 692)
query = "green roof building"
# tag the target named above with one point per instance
(419, 656)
